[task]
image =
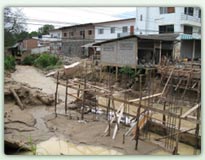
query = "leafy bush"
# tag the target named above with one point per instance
(46, 60)
(29, 60)
(9, 63)
(127, 71)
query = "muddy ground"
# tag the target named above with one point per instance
(37, 122)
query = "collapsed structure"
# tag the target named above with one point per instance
(158, 109)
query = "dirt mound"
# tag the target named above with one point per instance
(29, 96)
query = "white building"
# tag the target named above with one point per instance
(114, 29)
(55, 33)
(186, 21)
(154, 20)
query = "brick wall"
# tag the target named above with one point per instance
(29, 44)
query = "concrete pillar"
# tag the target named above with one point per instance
(160, 52)
(193, 51)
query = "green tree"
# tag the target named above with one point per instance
(45, 29)
(22, 35)
(14, 24)
(33, 34)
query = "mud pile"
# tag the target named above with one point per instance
(29, 96)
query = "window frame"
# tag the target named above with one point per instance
(65, 34)
(100, 30)
(187, 11)
(166, 10)
(123, 29)
(188, 32)
(167, 29)
(90, 32)
(112, 30)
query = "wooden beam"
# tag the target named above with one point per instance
(190, 111)
(17, 98)
(144, 98)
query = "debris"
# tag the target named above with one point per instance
(17, 99)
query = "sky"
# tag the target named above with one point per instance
(65, 16)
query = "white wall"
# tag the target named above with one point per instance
(151, 19)
(107, 29)
(40, 50)
(56, 33)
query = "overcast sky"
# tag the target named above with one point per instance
(65, 16)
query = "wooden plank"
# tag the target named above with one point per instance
(114, 117)
(20, 104)
(147, 97)
(118, 122)
(167, 81)
(190, 111)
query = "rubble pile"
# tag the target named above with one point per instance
(25, 95)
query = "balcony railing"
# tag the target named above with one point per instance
(185, 17)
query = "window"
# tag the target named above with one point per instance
(100, 31)
(199, 14)
(81, 33)
(199, 31)
(170, 10)
(166, 29)
(71, 34)
(89, 32)
(141, 17)
(124, 29)
(189, 11)
(65, 34)
(51, 35)
(188, 29)
(165, 10)
(112, 30)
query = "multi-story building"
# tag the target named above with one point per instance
(114, 29)
(186, 21)
(154, 20)
(73, 37)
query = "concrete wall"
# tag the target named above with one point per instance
(120, 53)
(40, 50)
(73, 47)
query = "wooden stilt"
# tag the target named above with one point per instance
(78, 91)
(177, 136)
(56, 94)
(66, 97)
(83, 105)
(116, 73)
(138, 116)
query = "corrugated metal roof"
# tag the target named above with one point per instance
(162, 37)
